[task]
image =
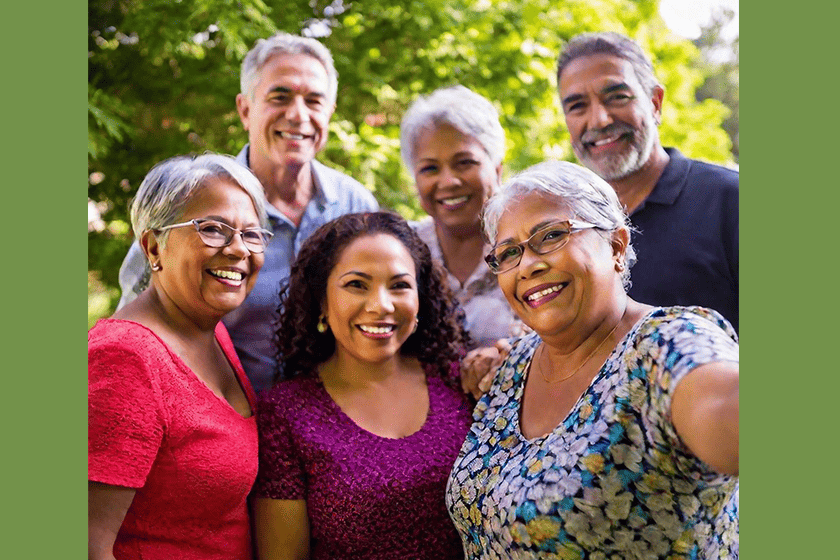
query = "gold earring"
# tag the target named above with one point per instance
(416, 322)
(322, 325)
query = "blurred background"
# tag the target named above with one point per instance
(163, 76)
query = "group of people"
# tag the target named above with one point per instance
(293, 373)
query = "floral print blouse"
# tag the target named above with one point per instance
(613, 480)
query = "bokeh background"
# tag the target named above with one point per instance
(163, 76)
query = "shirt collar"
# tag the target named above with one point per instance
(673, 179)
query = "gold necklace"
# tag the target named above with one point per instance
(583, 363)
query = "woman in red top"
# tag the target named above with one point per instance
(172, 446)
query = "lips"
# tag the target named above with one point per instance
(453, 202)
(226, 276)
(542, 294)
(609, 135)
(289, 135)
(383, 330)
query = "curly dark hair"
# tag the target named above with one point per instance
(439, 341)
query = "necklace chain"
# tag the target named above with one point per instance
(583, 363)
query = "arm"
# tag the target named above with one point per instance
(704, 411)
(281, 529)
(107, 506)
(480, 365)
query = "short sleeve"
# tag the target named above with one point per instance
(675, 347)
(125, 416)
(281, 473)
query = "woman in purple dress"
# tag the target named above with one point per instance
(359, 434)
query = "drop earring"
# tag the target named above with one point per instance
(155, 266)
(322, 325)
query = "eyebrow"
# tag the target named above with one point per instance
(622, 86)
(286, 89)
(535, 229)
(369, 277)
(222, 220)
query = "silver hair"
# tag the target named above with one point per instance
(463, 109)
(583, 193)
(167, 188)
(616, 44)
(285, 43)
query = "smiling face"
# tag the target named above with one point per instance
(611, 121)
(454, 177)
(372, 300)
(203, 282)
(288, 118)
(564, 290)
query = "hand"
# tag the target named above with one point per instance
(479, 367)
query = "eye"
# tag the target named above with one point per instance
(402, 285)
(214, 229)
(315, 101)
(464, 163)
(356, 283)
(574, 107)
(507, 254)
(426, 169)
(619, 98)
(253, 235)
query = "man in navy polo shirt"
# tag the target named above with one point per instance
(685, 211)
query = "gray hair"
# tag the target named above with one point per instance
(611, 43)
(582, 192)
(167, 188)
(463, 109)
(285, 43)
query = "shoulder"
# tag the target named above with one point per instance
(664, 321)
(117, 335)
(291, 396)
(704, 174)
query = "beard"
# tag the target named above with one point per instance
(619, 166)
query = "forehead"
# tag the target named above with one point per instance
(295, 71)
(220, 197)
(443, 141)
(375, 254)
(528, 213)
(597, 71)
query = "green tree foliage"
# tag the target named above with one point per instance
(163, 76)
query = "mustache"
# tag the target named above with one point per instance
(615, 129)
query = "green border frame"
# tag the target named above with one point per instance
(45, 391)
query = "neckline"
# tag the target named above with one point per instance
(559, 428)
(184, 367)
(319, 384)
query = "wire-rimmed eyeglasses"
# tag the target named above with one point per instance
(218, 234)
(546, 240)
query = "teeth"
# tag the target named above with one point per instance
(228, 274)
(605, 141)
(454, 201)
(543, 293)
(292, 136)
(377, 330)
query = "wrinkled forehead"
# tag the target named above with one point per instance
(597, 72)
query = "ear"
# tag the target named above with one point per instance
(243, 107)
(618, 243)
(656, 98)
(499, 169)
(150, 246)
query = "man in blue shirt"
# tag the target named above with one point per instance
(288, 93)
(685, 211)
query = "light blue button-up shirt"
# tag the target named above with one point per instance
(251, 325)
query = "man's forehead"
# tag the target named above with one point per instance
(294, 71)
(600, 70)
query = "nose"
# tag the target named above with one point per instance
(236, 247)
(297, 111)
(448, 177)
(379, 301)
(599, 117)
(531, 263)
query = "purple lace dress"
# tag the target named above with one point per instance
(367, 496)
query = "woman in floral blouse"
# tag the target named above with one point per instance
(611, 431)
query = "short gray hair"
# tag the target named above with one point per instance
(463, 109)
(167, 188)
(285, 43)
(616, 44)
(582, 192)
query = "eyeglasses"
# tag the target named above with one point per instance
(217, 234)
(545, 240)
